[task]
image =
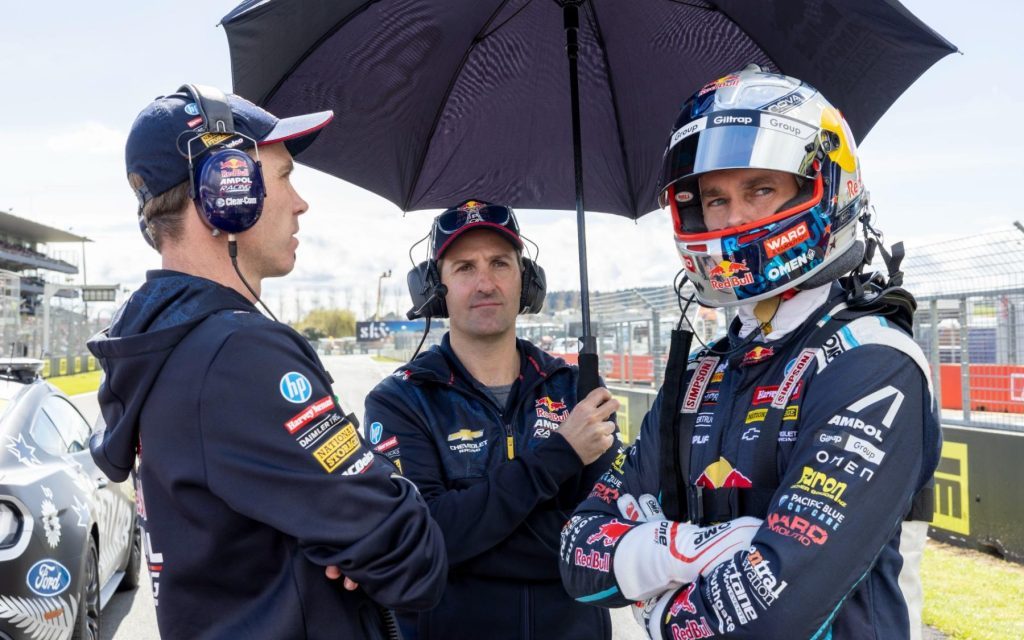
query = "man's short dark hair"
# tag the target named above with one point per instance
(165, 213)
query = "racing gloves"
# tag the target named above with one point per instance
(660, 555)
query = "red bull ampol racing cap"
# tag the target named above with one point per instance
(158, 143)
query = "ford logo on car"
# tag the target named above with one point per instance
(48, 578)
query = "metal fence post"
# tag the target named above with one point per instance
(656, 347)
(965, 364)
(933, 356)
(629, 349)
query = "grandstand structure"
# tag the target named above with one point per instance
(33, 271)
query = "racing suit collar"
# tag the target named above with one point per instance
(790, 316)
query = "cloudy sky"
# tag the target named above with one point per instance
(940, 163)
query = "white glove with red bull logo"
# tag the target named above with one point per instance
(660, 555)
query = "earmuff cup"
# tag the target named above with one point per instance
(230, 190)
(424, 280)
(227, 184)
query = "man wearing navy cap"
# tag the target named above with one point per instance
(489, 428)
(251, 478)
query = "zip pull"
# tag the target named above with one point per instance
(510, 442)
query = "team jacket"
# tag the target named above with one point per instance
(250, 480)
(834, 557)
(501, 517)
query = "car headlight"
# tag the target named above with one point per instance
(11, 524)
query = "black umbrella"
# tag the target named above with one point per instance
(437, 101)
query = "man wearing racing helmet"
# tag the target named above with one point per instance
(779, 483)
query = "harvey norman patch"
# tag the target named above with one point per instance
(338, 448)
(309, 414)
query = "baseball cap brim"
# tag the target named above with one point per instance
(298, 132)
(505, 232)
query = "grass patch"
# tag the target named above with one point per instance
(386, 359)
(78, 383)
(970, 595)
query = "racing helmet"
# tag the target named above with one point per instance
(757, 119)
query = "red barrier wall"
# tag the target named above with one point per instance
(993, 387)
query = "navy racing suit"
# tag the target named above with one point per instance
(501, 506)
(834, 556)
(250, 479)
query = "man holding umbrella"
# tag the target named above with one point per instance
(489, 429)
(780, 482)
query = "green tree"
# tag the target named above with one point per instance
(327, 323)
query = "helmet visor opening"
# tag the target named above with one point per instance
(682, 216)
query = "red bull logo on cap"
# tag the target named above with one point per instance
(720, 474)
(728, 275)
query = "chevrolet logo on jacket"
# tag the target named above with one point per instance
(464, 435)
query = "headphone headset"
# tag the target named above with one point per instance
(428, 293)
(225, 183)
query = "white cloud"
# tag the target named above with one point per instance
(88, 138)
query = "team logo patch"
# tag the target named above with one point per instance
(467, 441)
(756, 355)
(310, 413)
(295, 387)
(387, 445)
(360, 465)
(376, 432)
(721, 475)
(729, 275)
(608, 534)
(338, 448)
(464, 435)
(698, 382)
(48, 578)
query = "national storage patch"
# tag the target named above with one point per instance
(338, 448)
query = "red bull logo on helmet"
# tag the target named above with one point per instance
(721, 475)
(726, 81)
(729, 275)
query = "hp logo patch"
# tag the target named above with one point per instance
(192, 109)
(295, 387)
(376, 431)
(48, 578)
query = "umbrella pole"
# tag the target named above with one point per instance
(588, 379)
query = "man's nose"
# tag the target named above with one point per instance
(741, 212)
(485, 281)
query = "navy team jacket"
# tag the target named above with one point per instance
(250, 480)
(834, 558)
(501, 517)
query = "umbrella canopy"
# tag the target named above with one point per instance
(437, 101)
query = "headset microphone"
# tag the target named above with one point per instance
(439, 292)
